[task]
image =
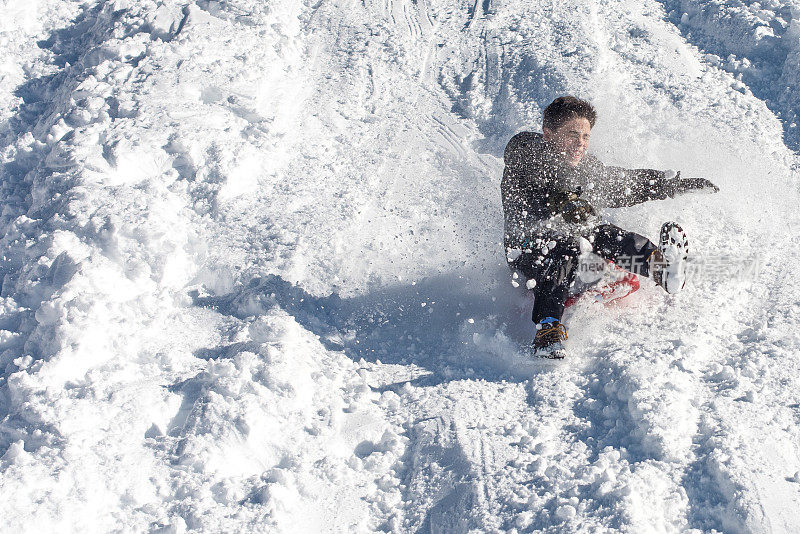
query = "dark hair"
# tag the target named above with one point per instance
(565, 108)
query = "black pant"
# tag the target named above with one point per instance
(552, 262)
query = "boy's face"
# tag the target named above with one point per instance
(571, 140)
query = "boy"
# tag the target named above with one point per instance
(550, 187)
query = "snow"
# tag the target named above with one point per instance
(252, 277)
(757, 42)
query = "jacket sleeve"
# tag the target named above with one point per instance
(520, 209)
(621, 187)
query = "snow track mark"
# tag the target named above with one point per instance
(460, 457)
(440, 483)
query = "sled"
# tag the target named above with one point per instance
(597, 280)
(604, 282)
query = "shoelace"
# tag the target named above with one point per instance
(552, 330)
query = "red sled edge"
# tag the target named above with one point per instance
(611, 292)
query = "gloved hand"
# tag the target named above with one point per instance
(574, 209)
(684, 185)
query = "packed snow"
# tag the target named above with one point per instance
(253, 281)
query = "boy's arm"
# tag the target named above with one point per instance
(518, 210)
(524, 188)
(627, 187)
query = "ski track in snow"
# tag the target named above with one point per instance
(252, 278)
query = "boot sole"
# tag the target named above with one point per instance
(674, 246)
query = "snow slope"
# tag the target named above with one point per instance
(757, 42)
(252, 278)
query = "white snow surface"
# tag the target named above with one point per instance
(252, 278)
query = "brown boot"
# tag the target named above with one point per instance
(548, 341)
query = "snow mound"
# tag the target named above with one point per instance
(252, 277)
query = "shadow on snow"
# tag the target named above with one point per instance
(429, 323)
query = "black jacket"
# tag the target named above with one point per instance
(535, 182)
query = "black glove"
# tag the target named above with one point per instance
(577, 211)
(684, 185)
(572, 207)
